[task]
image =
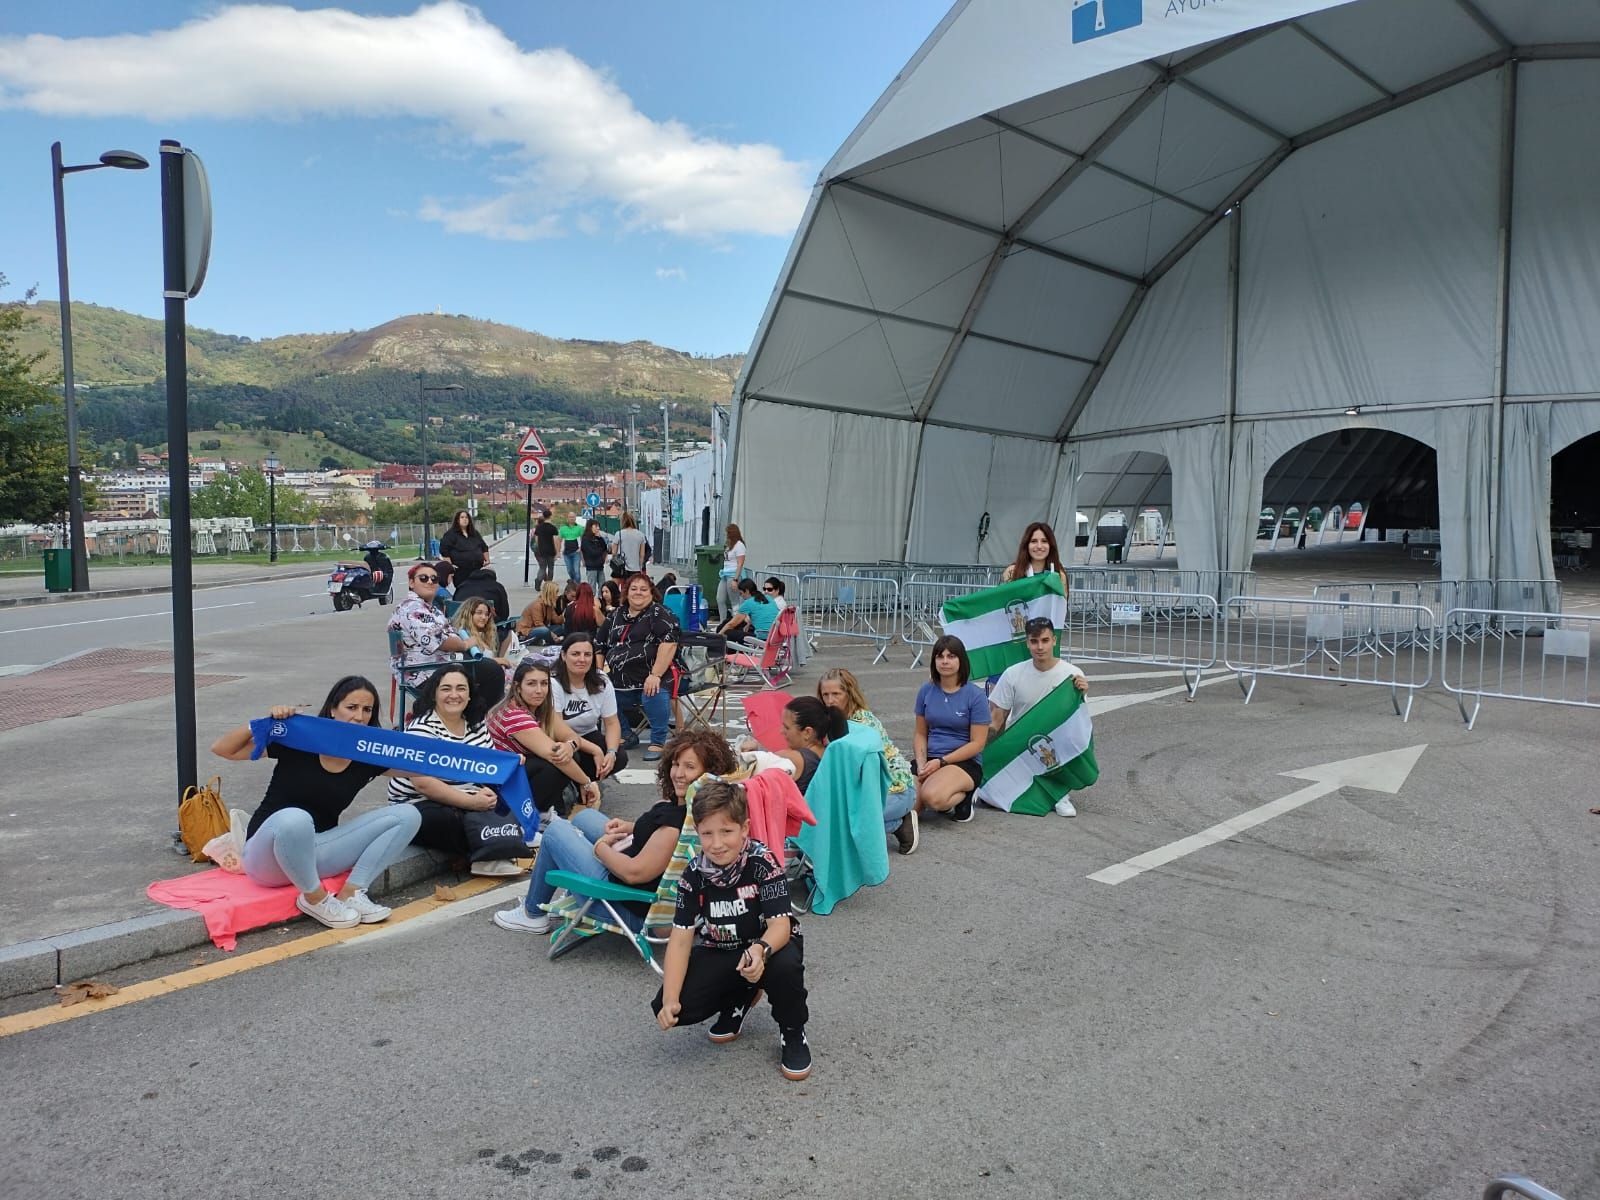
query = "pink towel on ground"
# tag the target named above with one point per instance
(776, 809)
(231, 904)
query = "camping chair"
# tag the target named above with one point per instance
(403, 684)
(763, 715)
(699, 693)
(776, 660)
(585, 907)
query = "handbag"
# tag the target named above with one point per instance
(619, 562)
(492, 835)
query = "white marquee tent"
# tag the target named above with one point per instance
(1086, 253)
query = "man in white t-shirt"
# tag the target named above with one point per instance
(1025, 684)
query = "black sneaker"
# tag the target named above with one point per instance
(730, 1023)
(907, 833)
(796, 1064)
(962, 811)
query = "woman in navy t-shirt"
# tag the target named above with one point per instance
(952, 727)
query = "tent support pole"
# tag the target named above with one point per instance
(911, 504)
(1508, 155)
(1231, 519)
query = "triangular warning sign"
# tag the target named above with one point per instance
(531, 444)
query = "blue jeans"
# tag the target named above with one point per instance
(567, 846)
(570, 560)
(895, 807)
(657, 708)
(287, 849)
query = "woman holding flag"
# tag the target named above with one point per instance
(295, 837)
(1036, 554)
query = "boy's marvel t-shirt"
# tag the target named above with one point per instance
(732, 917)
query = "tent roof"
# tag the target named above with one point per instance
(978, 249)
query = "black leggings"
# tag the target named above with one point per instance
(549, 783)
(713, 985)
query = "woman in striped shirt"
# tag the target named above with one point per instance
(447, 707)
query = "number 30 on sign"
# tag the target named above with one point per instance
(530, 470)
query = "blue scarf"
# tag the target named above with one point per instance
(391, 749)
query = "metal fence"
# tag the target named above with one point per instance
(1547, 664)
(1329, 640)
(921, 602)
(859, 607)
(1154, 629)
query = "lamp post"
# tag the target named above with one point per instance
(271, 466)
(666, 455)
(422, 428)
(633, 458)
(125, 160)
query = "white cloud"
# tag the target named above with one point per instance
(575, 135)
(671, 273)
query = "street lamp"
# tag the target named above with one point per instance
(125, 160)
(422, 428)
(633, 458)
(271, 466)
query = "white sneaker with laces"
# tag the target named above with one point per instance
(1064, 808)
(330, 910)
(496, 868)
(366, 908)
(518, 921)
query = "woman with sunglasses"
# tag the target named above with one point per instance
(753, 617)
(426, 636)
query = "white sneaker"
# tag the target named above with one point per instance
(518, 921)
(331, 911)
(538, 839)
(1064, 808)
(364, 907)
(496, 867)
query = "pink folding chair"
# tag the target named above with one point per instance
(778, 653)
(763, 713)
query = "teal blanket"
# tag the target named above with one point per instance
(847, 847)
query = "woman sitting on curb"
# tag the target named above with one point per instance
(808, 726)
(528, 724)
(449, 707)
(636, 853)
(587, 702)
(295, 837)
(733, 936)
(839, 689)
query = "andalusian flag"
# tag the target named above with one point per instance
(990, 623)
(1039, 759)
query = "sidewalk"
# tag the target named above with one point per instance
(137, 581)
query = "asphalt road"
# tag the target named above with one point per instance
(1373, 995)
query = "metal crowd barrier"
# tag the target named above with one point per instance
(1387, 604)
(1155, 629)
(921, 603)
(1318, 639)
(1517, 1185)
(850, 606)
(1548, 664)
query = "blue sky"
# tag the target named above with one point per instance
(608, 169)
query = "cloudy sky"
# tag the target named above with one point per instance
(587, 168)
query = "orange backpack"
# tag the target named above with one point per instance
(202, 817)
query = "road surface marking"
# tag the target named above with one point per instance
(492, 898)
(166, 612)
(1100, 705)
(38, 1018)
(1384, 772)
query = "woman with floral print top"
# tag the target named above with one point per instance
(425, 635)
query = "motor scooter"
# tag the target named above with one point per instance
(353, 584)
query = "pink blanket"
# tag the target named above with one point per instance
(231, 904)
(776, 810)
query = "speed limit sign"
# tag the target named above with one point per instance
(530, 470)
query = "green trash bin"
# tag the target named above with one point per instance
(58, 570)
(708, 572)
(1113, 552)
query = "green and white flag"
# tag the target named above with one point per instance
(990, 623)
(1042, 757)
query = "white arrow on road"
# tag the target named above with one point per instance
(1385, 772)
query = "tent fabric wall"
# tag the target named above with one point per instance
(1026, 244)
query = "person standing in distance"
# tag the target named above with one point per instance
(544, 548)
(1025, 684)
(1036, 554)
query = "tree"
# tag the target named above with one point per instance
(247, 495)
(330, 463)
(33, 447)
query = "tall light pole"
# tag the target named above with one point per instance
(125, 160)
(666, 455)
(633, 458)
(422, 428)
(271, 465)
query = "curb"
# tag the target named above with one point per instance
(67, 957)
(154, 589)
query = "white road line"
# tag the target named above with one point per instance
(1147, 675)
(1100, 705)
(166, 612)
(493, 898)
(1219, 832)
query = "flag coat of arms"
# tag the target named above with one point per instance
(991, 623)
(1039, 759)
